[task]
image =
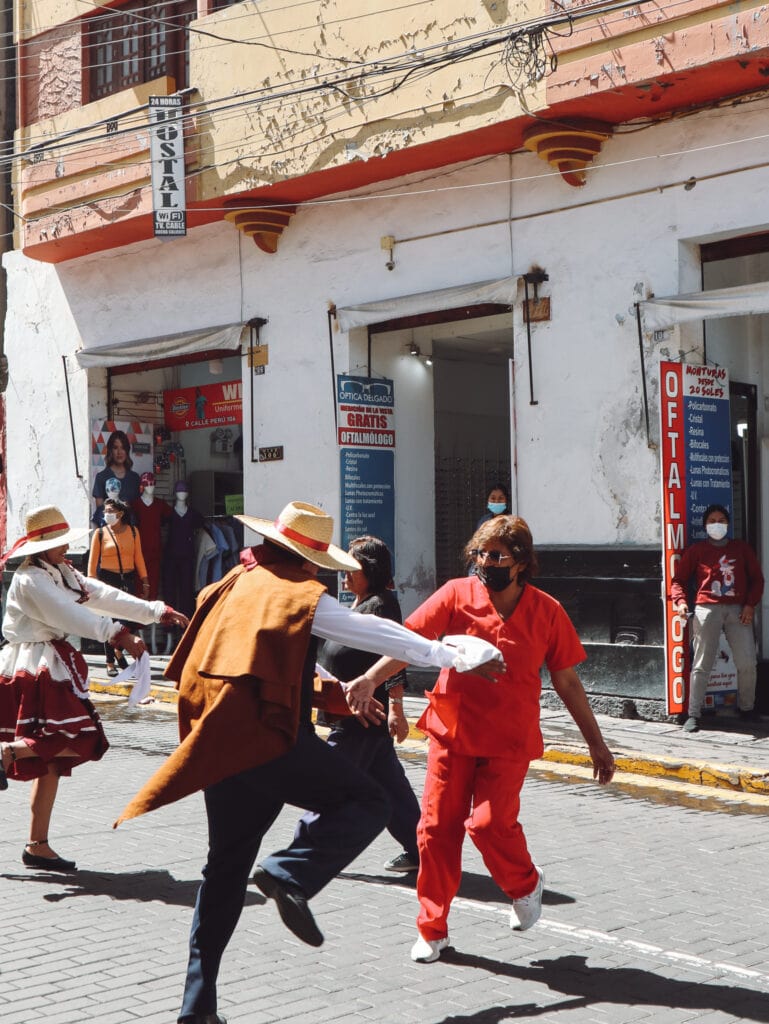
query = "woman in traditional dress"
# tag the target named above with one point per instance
(48, 725)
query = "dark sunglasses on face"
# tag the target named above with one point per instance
(495, 557)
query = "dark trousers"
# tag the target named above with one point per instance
(373, 751)
(352, 809)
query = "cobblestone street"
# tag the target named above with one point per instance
(655, 909)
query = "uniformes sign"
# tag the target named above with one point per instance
(696, 472)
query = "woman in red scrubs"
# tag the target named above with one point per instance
(484, 734)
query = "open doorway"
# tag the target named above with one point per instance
(473, 407)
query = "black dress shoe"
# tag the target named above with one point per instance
(47, 863)
(292, 907)
(202, 1018)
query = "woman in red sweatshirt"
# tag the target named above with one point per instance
(729, 584)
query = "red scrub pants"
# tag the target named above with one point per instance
(482, 796)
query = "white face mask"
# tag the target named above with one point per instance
(717, 531)
(149, 490)
(182, 495)
(110, 518)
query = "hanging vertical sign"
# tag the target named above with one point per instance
(695, 434)
(169, 202)
(366, 437)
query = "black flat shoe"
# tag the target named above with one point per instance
(292, 907)
(31, 860)
(203, 1018)
(111, 670)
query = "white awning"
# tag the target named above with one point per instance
(744, 300)
(502, 291)
(167, 346)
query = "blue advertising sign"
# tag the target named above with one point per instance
(368, 495)
(707, 442)
(366, 437)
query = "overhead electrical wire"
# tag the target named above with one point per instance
(378, 69)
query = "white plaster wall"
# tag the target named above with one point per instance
(41, 464)
(586, 472)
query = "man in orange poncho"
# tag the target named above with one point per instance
(244, 670)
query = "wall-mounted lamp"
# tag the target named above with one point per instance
(428, 360)
(414, 349)
(387, 243)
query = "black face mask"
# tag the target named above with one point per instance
(495, 577)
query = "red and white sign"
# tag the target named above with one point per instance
(366, 426)
(206, 406)
(673, 528)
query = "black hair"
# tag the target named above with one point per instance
(375, 561)
(499, 487)
(715, 508)
(118, 506)
(285, 553)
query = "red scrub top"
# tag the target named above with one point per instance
(479, 718)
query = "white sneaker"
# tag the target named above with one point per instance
(427, 951)
(527, 910)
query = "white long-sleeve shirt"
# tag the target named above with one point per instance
(380, 636)
(40, 608)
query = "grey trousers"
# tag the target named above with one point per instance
(707, 623)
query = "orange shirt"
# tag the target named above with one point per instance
(471, 715)
(103, 543)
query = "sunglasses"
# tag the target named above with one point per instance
(495, 557)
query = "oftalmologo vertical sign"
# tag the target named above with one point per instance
(169, 199)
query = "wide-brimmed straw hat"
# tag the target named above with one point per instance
(306, 530)
(46, 528)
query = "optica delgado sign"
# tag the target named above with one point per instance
(695, 436)
(209, 405)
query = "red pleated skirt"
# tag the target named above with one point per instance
(43, 710)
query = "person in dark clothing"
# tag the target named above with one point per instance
(372, 748)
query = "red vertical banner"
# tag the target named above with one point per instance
(673, 445)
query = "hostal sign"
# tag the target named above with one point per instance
(169, 201)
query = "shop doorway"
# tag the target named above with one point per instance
(472, 387)
(743, 408)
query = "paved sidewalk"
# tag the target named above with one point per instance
(727, 753)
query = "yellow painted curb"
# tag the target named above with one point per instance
(164, 694)
(702, 773)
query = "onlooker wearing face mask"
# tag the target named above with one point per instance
(729, 584)
(497, 503)
(116, 558)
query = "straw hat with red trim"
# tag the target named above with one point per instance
(306, 530)
(46, 528)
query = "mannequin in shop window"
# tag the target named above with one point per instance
(179, 558)
(150, 513)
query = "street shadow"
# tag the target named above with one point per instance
(137, 886)
(481, 888)
(586, 985)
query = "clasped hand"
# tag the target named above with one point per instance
(359, 694)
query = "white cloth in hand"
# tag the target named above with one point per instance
(472, 651)
(140, 671)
